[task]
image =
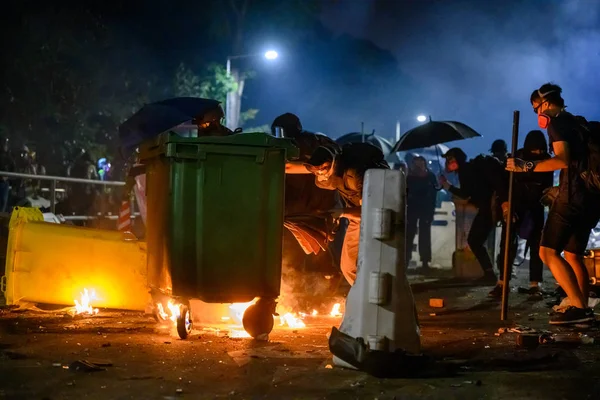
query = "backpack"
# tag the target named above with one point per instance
(589, 165)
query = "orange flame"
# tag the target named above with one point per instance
(335, 311)
(291, 320)
(85, 307)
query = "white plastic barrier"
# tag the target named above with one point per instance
(380, 307)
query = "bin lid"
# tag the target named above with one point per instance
(253, 139)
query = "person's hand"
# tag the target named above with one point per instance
(515, 165)
(505, 212)
(444, 182)
(336, 213)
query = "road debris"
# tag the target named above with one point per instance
(436, 303)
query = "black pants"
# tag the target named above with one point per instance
(536, 266)
(513, 251)
(424, 219)
(483, 224)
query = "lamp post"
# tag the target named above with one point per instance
(420, 118)
(233, 104)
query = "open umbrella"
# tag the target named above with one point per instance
(378, 141)
(372, 138)
(155, 118)
(432, 133)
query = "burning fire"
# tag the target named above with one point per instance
(85, 307)
(173, 311)
(291, 320)
(233, 320)
(335, 311)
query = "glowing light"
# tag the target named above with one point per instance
(421, 118)
(271, 55)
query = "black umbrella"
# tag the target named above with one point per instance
(378, 141)
(357, 137)
(432, 133)
(155, 118)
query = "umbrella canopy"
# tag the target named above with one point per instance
(155, 118)
(357, 137)
(432, 133)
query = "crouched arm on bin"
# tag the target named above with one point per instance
(296, 167)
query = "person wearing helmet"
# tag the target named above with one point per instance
(7, 163)
(483, 182)
(343, 171)
(210, 123)
(499, 150)
(288, 123)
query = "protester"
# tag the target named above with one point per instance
(483, 183)
(343, 171)
(499, 150)
(420, 203)
(305, 203)
(210, 123)
(574, 212)
(529, 189)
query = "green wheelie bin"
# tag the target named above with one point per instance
(214, 226)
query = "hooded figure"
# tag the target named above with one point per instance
(484, 183)
(529, 189)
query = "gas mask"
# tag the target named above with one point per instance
(543, 119)
(325, 174)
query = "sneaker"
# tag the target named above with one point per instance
(496, 292)
(572, 315)
(488, 279)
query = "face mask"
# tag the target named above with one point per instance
(451, 166)
(543, 121)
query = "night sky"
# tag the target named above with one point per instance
(352, 62)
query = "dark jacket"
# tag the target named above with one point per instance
(529, 187)
(421, 192)
(482, 180)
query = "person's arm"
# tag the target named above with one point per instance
(456, 191)
(559, 161)
(499, 179)
(352, 213)
(296, 168)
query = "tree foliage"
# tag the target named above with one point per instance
(212, 83)
(70, 83)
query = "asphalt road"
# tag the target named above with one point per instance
(140, 359)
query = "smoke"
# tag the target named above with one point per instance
(477, 61)
(304, 289)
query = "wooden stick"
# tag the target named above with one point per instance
(508, 234)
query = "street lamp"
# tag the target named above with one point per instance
(271, 55)
(420, 118)
(234, 98)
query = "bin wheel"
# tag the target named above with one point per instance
(184, 322)
(258, 320)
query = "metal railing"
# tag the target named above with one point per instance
(54, 189)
